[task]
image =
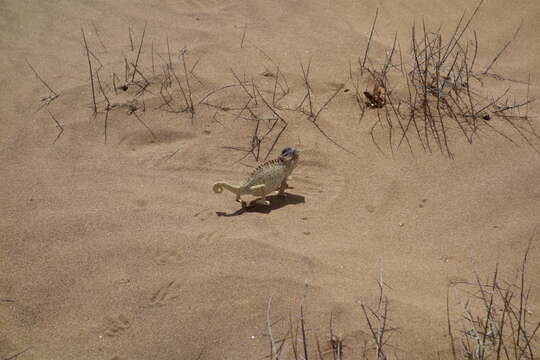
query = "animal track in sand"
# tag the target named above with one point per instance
(166, 254)
(166, 293)
(204, 215)
(141, 138)
(211, 6)
(175, 250)
(8, 349)
(204, 239)
(114, 325)
(456, 280)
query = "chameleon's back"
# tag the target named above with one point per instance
(271, 174)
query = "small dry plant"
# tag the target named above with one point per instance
(496, 322)
(297, 345)
(434, 94)
(378, 324)
(432, 97)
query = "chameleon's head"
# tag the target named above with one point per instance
(289, 155)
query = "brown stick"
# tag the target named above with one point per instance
(399, 117)
(107, 109)
(503, 49)
(275, 88)
(138, 53)
(114, 84)
(191, 106)
(169, 52)
(130, 38)
(58, 125)
(153, 68)
(102, 91)
(302, 327)
(328, 102)
(388, 62)
(450, 332)
(144, 124)
(40, 79)
(305, 76)
(192, 71)
(188, 104)
(241, 84)
(279, 117)
(243, 36)
(450, 48)
(18, 353)
(126, 70)
(515, 106)
(99, 38)
(273, 347)
(475, 52)
(136, 70)
(369, 41)
(91, 72)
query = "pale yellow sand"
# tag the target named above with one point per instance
(116, 252)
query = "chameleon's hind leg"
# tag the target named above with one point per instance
(242, 202)
(260, 189)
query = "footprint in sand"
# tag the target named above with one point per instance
(205, 239)
(211, 6)
(166, 293)
(204, 215)
(456, 280)
(370, 208)
(8, 349)
(166, 254)
(142, 139)
(174, 250)
(115, 325)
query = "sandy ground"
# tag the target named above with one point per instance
(116, 250)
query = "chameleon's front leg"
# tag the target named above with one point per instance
(263, 201)
(283, 187)
(260, 190)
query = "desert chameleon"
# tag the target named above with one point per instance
(266, 178)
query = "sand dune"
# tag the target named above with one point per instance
(113, 245)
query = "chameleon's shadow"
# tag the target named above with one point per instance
(276, 202)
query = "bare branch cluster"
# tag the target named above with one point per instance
(496, 322)
(431, 97)
(445, 96)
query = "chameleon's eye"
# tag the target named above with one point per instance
(287, 151)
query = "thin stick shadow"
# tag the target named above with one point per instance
(276, 202)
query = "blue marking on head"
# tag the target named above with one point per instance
(288, 151)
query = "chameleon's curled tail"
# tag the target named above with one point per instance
(219, 186)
